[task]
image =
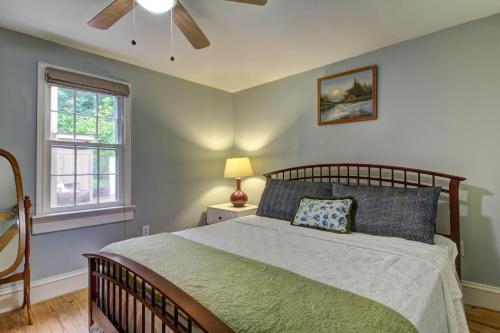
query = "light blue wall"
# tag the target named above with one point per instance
(181, 135)
(438, 110)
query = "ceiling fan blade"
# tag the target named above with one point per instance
(189, 27)
(251, 2)
(115, 11)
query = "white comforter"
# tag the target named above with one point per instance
(415, 279)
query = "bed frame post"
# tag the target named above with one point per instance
(455, 220)
(92, 288)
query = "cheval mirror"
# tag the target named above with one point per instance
(14, 228)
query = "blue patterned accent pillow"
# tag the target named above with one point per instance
(392, 211)
(325, 214)
(281, 197)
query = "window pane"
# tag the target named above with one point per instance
(107, 131)
(62, 191)
(86, 161)
(108, 106)
(86, 174)
(61, 99)
(86, 190)
(61, 126)
(107, 189)
(107, 161)
(85, 128)
(63, 161)
(86, 103)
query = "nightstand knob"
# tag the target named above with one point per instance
(220, 217)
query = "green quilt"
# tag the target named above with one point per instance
(250, 296)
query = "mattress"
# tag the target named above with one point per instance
(415, 279)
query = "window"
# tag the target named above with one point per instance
(83, 149)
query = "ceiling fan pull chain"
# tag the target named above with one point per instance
(133, 26)
(172, 58)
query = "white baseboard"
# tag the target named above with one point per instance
(481, 295)
(11, 298)
(44, 289)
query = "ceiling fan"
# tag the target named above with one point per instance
(119, 8)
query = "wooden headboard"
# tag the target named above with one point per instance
(384, 175)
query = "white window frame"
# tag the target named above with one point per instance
(49, 219)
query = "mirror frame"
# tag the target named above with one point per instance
(20, 209)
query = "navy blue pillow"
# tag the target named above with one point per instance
(281, 198)
(392, 211)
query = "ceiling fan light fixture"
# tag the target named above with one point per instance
(157, 6)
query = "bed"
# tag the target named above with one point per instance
(377, 283)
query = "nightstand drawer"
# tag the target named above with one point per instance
(218, 215)
(224, 212)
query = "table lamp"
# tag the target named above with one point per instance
(238, 168)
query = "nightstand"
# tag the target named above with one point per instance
(226, 211)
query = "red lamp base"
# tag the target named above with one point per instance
(238, 197)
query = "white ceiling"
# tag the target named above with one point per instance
(251, 45)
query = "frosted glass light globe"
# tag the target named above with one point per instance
(157, 6)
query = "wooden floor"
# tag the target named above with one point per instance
(65, 314)
(482, 320)
(68, 314)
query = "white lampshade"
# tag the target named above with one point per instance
(157, 6)
(238, 168)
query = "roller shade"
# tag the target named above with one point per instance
(64, 78)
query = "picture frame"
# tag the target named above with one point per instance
(346, 97)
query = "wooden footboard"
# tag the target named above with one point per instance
(125, 296)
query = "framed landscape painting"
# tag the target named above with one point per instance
(348, 97)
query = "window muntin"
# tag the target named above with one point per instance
(85, 147)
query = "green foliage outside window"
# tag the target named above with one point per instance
(87, 107)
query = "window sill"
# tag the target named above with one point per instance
(81, 219)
